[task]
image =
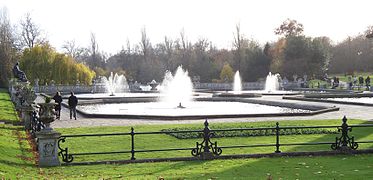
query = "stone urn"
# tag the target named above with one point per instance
(28, 95)
(46, 113)
(153, 84)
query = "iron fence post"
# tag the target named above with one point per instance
(345, 129)
(277, 138)
(206, 144)
(344, 142)
(132, 144)
(206, 137)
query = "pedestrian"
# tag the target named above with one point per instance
(73, 102)
(367, 83)
(58, 99)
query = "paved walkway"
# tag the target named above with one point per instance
(351, 112)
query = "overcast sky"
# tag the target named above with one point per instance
(115, 21)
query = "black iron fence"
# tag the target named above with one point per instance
(209, 149)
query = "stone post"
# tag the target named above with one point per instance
(36, 85)
(26, 116)
(48, 147)
(47, 137)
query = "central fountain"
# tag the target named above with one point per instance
(177, 90)
(178, 101)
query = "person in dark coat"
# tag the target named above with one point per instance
(73, 102)
(58, 99)
(367, 83)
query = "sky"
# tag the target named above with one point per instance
(115, 21)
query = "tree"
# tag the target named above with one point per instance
(145, 44)
(369, 32)
(8, 50)
(53, 66)
(238, 44)
(290, 28)
(31, 33)
(300, 55)
(70, 48)
(226, 73)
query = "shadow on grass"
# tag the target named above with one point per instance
(10, 127)
(306, 167)
(11, 163)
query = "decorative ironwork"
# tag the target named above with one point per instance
(36, 124)
(210, 150)
(206, 144)
(64, 153)
(344, 141)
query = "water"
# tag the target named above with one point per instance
(115, 84)
(272, 82)
(177, 89)
(193, 108)
(237, 84)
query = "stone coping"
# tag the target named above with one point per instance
(318, 99)
(315, 109)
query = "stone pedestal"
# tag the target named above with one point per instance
(26, 114)
(48, 147)
(206, 155)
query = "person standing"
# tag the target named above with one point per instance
(58, 99)
(73, 102)
(367, 83)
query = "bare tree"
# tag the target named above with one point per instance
(184, 41)
(238, 44)
(168, 44)
(145, 44)
(31, 33)
(70, 48)
(202, 44)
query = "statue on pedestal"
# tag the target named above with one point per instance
(20, 75)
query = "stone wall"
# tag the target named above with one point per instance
(98, 88)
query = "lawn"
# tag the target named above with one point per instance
(17, 160)
(7, 113)
(162, 141)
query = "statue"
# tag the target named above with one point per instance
(18, 73)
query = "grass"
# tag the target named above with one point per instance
(17, 161)
(330, 167)
(162, 141)
(342, 78)
(16, 158)
(7, 113)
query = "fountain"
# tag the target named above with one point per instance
(272, 82)
(115, 84)
(176, 102)
(177, 89)
(237, 84)
(271, 87)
